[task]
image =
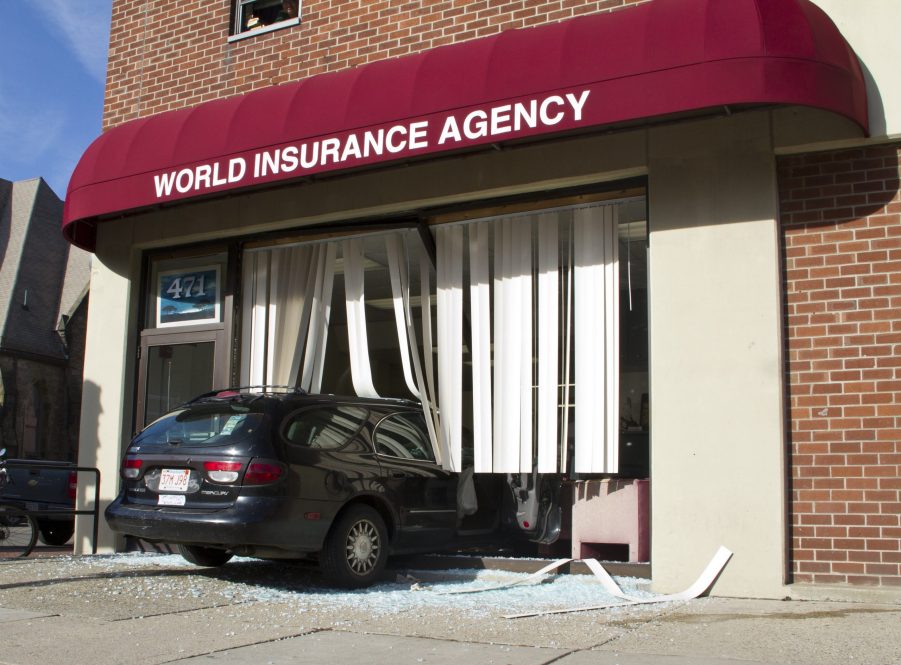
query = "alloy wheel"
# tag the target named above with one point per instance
(362, 547)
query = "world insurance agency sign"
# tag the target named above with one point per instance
(414, 137)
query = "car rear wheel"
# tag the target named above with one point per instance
(356, 548)
(204, 556)
(56, 533)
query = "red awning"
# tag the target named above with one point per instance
(659, 58)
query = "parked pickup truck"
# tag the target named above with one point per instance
(41, 487)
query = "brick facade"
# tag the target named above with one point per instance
(841, 223)
(168, 55)
(840, 215)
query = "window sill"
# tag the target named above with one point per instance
(262, 31)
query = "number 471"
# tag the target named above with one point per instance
(191, 285)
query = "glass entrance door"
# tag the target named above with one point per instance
(175, 374)
(177, 367)
(184, 341)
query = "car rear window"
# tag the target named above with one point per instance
(202, 425)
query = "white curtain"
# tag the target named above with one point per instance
(543, 298)
(428, 351)
(400, 295)
(525, 339)
(596, 344)
(421, 383)
(254, 328)
(480, 320)
(320, 312)
(357, 338)
(286, 313)
(290, 271)
(513, 345)
(548, 342)
(449, 270)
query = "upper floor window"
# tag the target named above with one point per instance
(253, 17)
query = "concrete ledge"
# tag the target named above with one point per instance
(845, 593)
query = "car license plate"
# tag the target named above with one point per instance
(171, 500)
(174, 480)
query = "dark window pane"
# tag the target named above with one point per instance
(327, 427)
(175, 374)
(404, 435)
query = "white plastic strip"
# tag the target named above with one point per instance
(314, 334)
(566, 409)
(258, 325)
(397, 268)
(596, 447)
(522, 232)
(426, 388)
(249, 288)
(425, 304)
(503, 460)
(548, 342)
(480, 318)
(309, 265)
(325, 309)
(611, 335)
(358, 343)
(450, 341)
(588, 256)
(272, 318)
(700, 586)
(512, 349)
(534, 577)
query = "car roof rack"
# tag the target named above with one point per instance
(224, 393)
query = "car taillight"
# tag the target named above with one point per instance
(262, 472)
(131, 467)
(73, 484)
(222, 472)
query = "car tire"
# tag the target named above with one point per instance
(204, 556)
(55, 534)
(356, 548)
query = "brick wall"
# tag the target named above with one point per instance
(167, 55)
(841, 220)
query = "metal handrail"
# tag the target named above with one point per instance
(66, 466)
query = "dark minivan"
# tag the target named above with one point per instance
(283, 475)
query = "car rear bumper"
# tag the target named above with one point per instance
(251, 521)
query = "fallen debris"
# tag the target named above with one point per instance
(701, 585)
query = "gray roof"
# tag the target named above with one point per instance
(41, 275)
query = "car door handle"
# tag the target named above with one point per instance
(397, 474)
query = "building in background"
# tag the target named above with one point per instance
(654, 252)
(43, 316)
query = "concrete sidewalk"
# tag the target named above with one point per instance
(154, 609)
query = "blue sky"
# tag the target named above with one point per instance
(52, 73)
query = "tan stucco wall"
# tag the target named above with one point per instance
(717, 454)
(717, 459)
(107, 396)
